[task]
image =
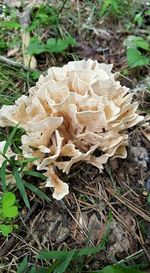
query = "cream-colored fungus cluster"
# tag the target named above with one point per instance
(69, 114)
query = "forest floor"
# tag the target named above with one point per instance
(112, 208)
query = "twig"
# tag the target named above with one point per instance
(130, 257)
(28, 59)
(76, 221)
(11, 62)
(61, 9)
(130, 205)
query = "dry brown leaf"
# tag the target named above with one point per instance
(94, 228)
(12, 52)
(119, 238)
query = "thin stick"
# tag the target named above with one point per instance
(13, 63)
(141, 252)
(129, 204)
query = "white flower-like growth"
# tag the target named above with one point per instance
(70, 113)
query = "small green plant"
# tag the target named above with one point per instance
(44, 16)
(114, 8)
(9, 29)
(138, 51)
(64, 263)
(8, 212)
(52, 45)
(19, 170)
(139, 18)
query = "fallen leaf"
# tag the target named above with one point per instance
(12, 52)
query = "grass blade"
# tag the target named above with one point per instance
(35, 174)
(48, 255)
(37, 191)
(63, 266)
(42, 270)
(3, 175)
(28, 160)
(21, 187)
(53, 266)
(9, 140)
(23, 266)
(33, 269)
(62, 254)
(87, 251)
(119, 269)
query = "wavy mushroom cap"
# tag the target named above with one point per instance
(70, 113)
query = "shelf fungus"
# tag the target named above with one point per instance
(70, 113)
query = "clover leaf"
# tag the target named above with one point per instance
(8, 207)
(6, 229)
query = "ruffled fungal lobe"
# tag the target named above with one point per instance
(69, 114)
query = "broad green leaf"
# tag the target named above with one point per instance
(56, 45)
(135, 58)
(53, 45)
(6, 229)
(8, 199)
(3, 175)
(141, 43)
(21, 187)
(23, 266)
(10, 212)
(59, 45)
(136, 42)
(36, 48)
(70, 40)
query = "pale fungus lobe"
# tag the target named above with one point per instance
(70, 113)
